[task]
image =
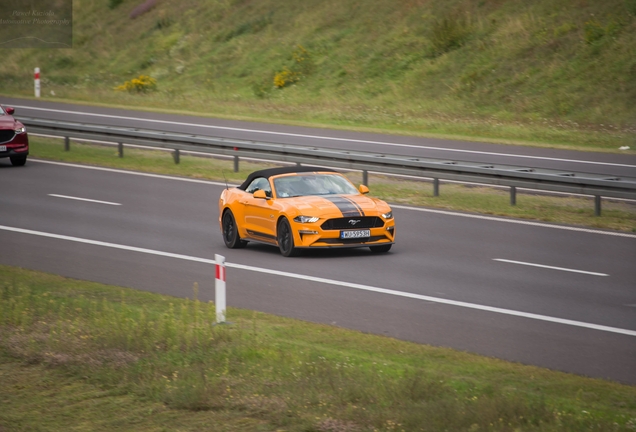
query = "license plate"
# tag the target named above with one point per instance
(3, 148)
(349, 234)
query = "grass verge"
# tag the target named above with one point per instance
(616, 215)
(544, 71)
(78, 355)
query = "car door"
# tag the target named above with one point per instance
(260, 214)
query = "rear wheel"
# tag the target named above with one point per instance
(18, 160)
(380, 249)
(285, 238)
(230, 232)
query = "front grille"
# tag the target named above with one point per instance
(350, 223)
(6, 135)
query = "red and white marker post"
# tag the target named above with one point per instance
(37, 82)
(219, 289)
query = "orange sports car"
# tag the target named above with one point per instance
(298, 208)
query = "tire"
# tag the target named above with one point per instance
(230, 232)
(380, 249)
(285, 238)
(18, 160)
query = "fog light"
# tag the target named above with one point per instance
(308, 232)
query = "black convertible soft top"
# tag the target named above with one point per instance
(269, 172)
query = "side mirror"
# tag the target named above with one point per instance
(9, 110)
(363, 189)
(260, 194)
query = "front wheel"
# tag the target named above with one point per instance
(18, 160)
(380, 249)
(285, 238)
(230, 232)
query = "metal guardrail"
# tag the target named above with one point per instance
(470, 172)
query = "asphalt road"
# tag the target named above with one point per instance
(533, 293)
(588, 162)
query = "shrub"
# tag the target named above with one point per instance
(141, 84)
(285, 77)
(249, 27)
(112, 4)
(262, 88)
(302, 65)
(594, 31)
(450, 32)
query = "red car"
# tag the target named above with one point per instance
(14, 142)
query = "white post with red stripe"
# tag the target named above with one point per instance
(37, 82)
(219, 289)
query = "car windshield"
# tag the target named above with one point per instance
(313, 184)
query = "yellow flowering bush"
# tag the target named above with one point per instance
(285, 77)
(302, 65)
(141, 84)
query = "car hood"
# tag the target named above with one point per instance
(330, 206)
(8, 122)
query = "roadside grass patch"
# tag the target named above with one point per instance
(126, 359)
(616, 215)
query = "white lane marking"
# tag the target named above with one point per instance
(331, 282)
(549, 267)
(84, 199)
(444, 212)
(318, 137)
(516, 221)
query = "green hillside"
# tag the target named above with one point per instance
(559, 72)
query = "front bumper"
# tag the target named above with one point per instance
(18, 146)
(14, 153)
(312, 236)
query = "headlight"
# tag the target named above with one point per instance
(20, 130)
(306, 219)
(388, 215)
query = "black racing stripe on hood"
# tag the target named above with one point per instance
(347, 207)
(355, 204)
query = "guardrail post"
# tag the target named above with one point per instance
(236, 163)
(219, 289)
(513, 195)
(597, 205)
(365, 177)
(120, 149)
(175, 156)
(67, 143)
(436, 187)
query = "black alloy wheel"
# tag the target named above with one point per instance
(380, 249)
(230, 232)
(285, 238)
